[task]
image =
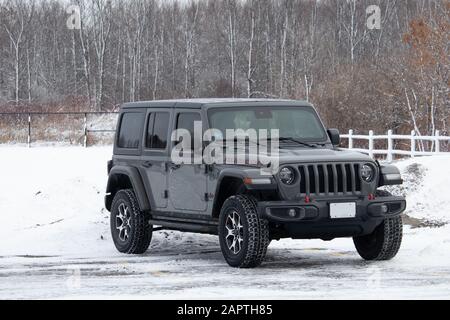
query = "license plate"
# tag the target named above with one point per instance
(342, 210)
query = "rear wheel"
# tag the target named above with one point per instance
(385, 241)
(130, 228)
(243, 236)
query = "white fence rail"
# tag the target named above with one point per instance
(390, 152)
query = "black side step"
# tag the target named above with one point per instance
(186, 227)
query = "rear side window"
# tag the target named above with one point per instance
(130, 131)
(158, 125)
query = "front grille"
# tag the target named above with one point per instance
(329, 179)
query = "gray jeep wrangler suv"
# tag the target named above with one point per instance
(319, 191)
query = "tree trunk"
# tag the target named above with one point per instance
(250, 56)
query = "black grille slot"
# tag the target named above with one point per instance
(348, 173)
(326, 179)
(321, 179)
(357, 177)
(340, 180)
(331, 178)
(302, 180)
(312, 180)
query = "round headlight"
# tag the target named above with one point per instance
(287, 175)
(367, 172)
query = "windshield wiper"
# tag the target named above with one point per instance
(283, 139)
(291, 139)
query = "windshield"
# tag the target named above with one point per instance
(301, 123)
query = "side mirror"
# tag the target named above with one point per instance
(334, 136)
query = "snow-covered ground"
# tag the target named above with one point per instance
(55, 243)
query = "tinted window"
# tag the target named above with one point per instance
(186, 121)
(130, 130)
(158, 125)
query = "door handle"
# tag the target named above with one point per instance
(147, 164)
(173, 166)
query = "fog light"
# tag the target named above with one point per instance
(384, 208)
(292, 213)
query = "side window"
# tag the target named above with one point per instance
(158, 124)
(130, 131)
(186, 121)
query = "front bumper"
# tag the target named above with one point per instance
(312, 220)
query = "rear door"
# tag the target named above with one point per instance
(155, 155)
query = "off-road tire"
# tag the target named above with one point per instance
(140, 231)
(385, 241)
(255, 232)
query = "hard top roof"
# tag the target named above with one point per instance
(223, 102)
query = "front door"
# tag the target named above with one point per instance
(187, 182)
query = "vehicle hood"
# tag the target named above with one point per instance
(320, 155)
(309, 155)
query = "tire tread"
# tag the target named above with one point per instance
(392, 234)
(258, 232)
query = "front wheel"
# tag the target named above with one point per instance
(243, 236)
(383, 243)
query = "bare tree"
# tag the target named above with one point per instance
(85, 46)
(103, 21)
(231, 33)
(251, 67)
(190, 24)
(16, 18)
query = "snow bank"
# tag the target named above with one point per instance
(52, 199)
(426, 187)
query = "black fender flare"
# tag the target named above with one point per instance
(230, 173)
(389, 175)
(234, 173)
(136, 182)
